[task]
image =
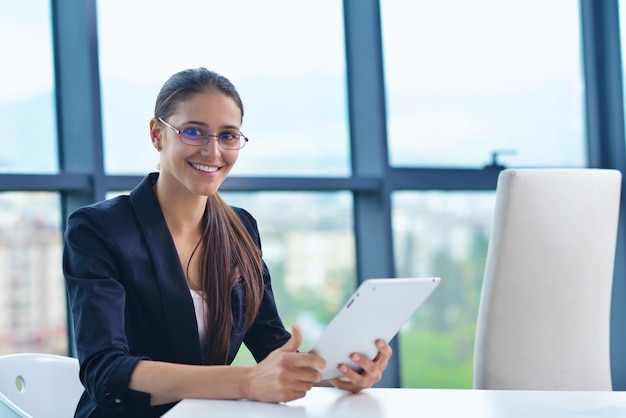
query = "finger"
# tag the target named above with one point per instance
(384, 350)
(295, 341)
(295, 394)
(354, 377)
(384, 354)
(309, 376)
(371, 371)
(307, 360)
(344, 383)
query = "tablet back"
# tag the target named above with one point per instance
(377, 309)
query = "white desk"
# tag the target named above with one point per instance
(422, 403)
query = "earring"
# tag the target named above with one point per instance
(158, 147)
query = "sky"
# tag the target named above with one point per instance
(490, 75)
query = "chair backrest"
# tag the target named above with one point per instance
(544, 315)
(39, 385)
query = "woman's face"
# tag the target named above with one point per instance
(198, 169)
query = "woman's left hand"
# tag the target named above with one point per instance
(372, 370)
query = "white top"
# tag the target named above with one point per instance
(198, 303)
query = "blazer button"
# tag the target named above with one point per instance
(109, 397)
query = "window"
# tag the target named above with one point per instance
(33, 304)
(308, 246)
(26, 101)
(442, 234)
(467, 79)
(289, 73)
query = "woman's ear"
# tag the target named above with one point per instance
(156, 134)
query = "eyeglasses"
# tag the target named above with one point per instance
(197, 137)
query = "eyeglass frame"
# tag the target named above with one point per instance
(207, 137)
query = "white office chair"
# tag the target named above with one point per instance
(544, 314)
(39, 385)
(8, 408)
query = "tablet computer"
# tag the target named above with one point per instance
(377, 309)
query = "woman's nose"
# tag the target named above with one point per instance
(212, 147)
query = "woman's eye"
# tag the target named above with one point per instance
(193, 133)
(228, 137)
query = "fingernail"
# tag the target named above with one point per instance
(343, 368)
(381, 344)
(356, 357)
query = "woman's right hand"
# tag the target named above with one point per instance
(285, 374)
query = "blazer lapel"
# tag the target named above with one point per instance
(175, 296)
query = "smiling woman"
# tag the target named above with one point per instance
(173, 235)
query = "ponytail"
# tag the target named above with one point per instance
(230, 258)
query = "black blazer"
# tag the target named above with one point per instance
(130, 300)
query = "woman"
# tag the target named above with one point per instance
(167, 282)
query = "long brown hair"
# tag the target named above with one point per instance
(230, 257)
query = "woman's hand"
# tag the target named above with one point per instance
(285, 374)
(372, 370)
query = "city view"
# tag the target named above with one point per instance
(32, 302)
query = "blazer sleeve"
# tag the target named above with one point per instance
(97, 302)
(267, 332)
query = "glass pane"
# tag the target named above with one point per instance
(32, 303)
(442, 234)
(310, 252)
(289, 71)
(467, 79)
(26, 99)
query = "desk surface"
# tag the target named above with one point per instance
(431, 403)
